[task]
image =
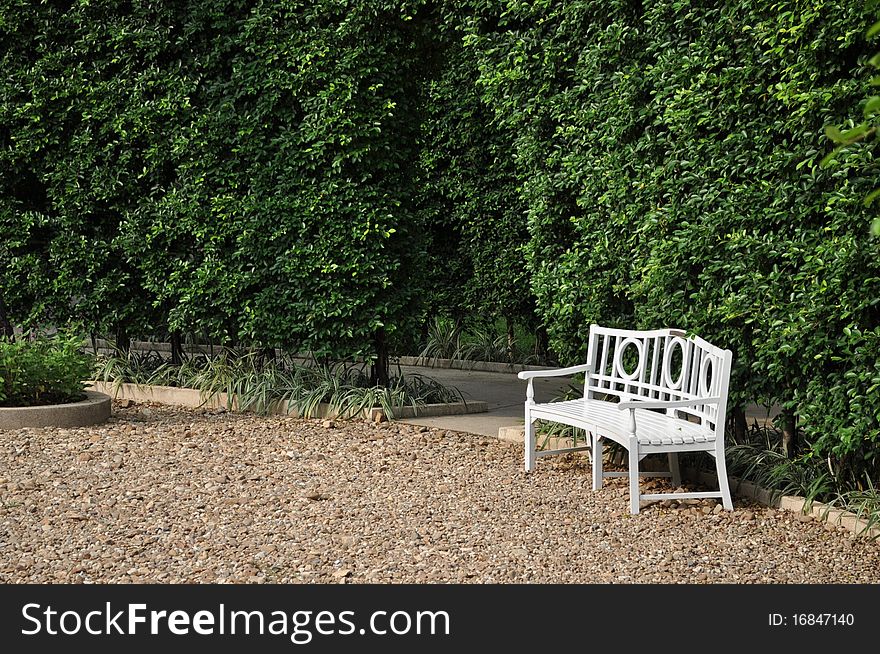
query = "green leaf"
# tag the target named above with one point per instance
(829, 158)
(872, 106)
(834, 133)
(871, 196)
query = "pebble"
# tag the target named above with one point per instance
(204, 496)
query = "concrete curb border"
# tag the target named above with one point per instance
(794, 503)
(742, 488)
(93, 410)
(465, 364)
(191, 397)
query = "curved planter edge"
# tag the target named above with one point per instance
(93, 410)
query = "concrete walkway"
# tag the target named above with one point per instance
(505, 394)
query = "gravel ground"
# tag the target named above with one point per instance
(163, 494)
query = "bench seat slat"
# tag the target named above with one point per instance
(653, 428)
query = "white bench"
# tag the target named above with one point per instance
(652, 392)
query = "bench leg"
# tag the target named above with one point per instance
(597, 461)
(530, 443)
(674, 469)
(633, 476)
(723, 483)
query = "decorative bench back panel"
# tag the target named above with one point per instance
(658, 365)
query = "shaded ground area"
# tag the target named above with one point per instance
(170, 495)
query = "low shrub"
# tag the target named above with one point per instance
(39, 370)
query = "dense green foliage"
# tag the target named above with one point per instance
(302, 174)
(469, 198)
(869, 122)
(669, 158)
(239, 170)
(42, 370)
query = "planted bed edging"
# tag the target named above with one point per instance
(93, 410)
(794, 503)
(193, 398)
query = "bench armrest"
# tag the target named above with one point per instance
(558, 372)
(665, 404)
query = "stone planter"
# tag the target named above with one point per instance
(93, 410)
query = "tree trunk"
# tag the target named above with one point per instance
(740, 426)
(176, 349)
(511, 339)
(423, 333)
(123, 340)
(542, 343)
(267, 355)
(379, 367)
(789, 434)
(5, 325)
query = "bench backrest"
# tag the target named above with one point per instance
(660, 364)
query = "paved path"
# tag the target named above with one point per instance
(505, 394)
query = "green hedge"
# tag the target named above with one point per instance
(669, 158)
(241, 170)
(468, 195)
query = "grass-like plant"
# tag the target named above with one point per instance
(772, 469)
(483, 344)
(479, 342)
(760, 459)
(252, 382)
(865, 503)
(443, 341)
(133, 366)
